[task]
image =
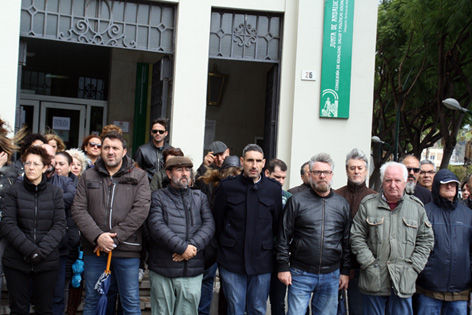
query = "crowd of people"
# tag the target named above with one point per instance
(405, 249)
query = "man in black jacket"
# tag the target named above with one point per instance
(313, 253)
(149, 155)
(247, 208)
(412, 188)
(180, 225)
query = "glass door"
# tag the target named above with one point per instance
(66, 120)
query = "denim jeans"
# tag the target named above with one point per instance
(126, 271)
(325, 289)
(389, 305)
(207, 290)
(245, 292)
(428, 306)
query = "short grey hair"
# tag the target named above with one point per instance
(323, 158)
(252, 147)
(384, 167)
(357, 154)
(425, 162)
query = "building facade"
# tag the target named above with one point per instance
(74, 66)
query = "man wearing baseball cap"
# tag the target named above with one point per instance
(444, 284)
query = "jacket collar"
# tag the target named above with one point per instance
(356, 188)
(126, 166)
(316, 194)
(33, 188)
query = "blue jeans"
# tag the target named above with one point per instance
(390, 305)
(428, 306)
(245, 292)
(207, 290)
(126, 271)
(277, 295)
(325, 289)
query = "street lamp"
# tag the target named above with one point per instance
(376, 139)
(453, 104)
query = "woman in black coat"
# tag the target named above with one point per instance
(34, 224)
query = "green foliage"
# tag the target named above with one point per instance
(461, 171)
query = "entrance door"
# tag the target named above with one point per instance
(66, 120)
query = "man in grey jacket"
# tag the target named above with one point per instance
(391, 238)
(180, 225)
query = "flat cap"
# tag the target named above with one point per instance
(217, 147)
(177, 161)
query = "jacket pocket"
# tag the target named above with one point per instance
(407, 281)
(235, 207)
(369, 279)
(266, 209)
(411, 229)
(375, 229)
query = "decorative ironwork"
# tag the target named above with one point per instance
(255, 36)
(126, 24)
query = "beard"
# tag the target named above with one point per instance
(181, 183)
(321, 186)
(410, 187)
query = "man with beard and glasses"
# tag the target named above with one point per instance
(312, 252)
(180, 225)
(391, 238)
(413, 166)
(247, 208)
(110, 206)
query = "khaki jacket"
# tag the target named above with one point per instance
(392, 246)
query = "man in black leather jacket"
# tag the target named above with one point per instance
(149, 155)
(313, 253)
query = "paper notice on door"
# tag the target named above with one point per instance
(60, 123)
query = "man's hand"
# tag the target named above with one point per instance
(176, 257)
(285, 277)
(190, 252)
(105, 242)
(343, 282)
(208, 159)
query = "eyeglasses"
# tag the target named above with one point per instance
(158, 131)
(37, 165)
(414, 169)
(427, 172)
(319, 173)
(94, 144)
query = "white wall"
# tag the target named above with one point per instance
(10, 35)
(302, 133)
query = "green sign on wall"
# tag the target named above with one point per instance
(336, 62)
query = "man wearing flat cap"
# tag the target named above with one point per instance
(217, 152)
(180, 225)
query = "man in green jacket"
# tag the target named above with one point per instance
(391, 238)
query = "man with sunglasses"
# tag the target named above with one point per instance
(413, 166)
(149, 155)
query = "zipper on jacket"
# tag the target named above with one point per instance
(187, 223)
(322, 232)
(111, 188)
(35, 218)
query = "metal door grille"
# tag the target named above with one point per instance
(243, 36)
(130, 24)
